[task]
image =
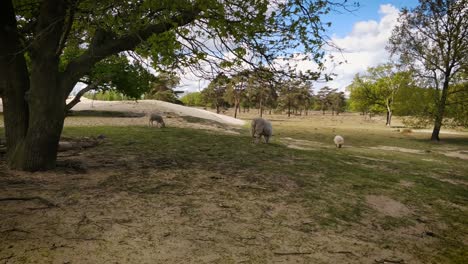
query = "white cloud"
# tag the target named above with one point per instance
(363, 47)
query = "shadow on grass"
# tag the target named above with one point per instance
(95, 113)
(458, 140)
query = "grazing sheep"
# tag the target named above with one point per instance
(159, 120)
(261, 127)
(339, 140)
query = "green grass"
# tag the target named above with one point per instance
(332, 184)
(328, 183)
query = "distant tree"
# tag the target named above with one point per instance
(432, 40)
(306, 97)
(295, 94)
(457, 102)
(236, 90)
(192, 99)
(261, 85)
(378, 88)
(162, 88)
(214, 94)
(286, 96)
(322, 99)
(358, 100)
(337, 102)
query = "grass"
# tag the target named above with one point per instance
(330, 184)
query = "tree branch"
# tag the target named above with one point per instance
(98, 51)
(78, 96)
(67, 30)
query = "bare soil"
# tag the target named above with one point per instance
(100, 207)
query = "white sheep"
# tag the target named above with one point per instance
(339, 140)
(261, 127)
(159, 120)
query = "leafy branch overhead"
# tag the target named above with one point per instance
(47, 46)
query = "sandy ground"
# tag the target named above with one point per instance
(100, 207)
(155, 106)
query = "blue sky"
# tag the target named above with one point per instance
(342, 23)
(362, 35)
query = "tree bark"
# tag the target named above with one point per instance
(261, 107)
(389, 117)
(14, 80)
(439, 116)
(33, 101)
(78, 96)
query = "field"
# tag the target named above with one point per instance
(199, 191)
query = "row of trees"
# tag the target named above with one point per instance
(263, 90)
(385, 89)
(47, 47)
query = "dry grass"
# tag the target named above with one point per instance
(185, 195)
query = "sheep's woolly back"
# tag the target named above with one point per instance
(261, 127)
(156, 117)
(339, 140)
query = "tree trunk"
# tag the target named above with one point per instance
(235, 110)
(14, 80)
(439, 116)
(261, 108)
(38, 103)
(389, 117)
(38, 150)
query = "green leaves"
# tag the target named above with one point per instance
(117, 73)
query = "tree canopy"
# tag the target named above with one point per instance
(47, 46)
(432, 41)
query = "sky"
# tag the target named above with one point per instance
(362, 34)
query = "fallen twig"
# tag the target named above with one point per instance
(40, 199)
(15, 230)
(383, 261)
(342, 252)
(291, 253)
(251, 187)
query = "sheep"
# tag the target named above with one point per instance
(158, 118)
(339, 140)
(261, 127)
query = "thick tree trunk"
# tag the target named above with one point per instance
(35, 97)
(439, 116)
(14, 79)
(38, 150)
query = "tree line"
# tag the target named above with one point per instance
(262, 90)
(47, 47)
(387, 90)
